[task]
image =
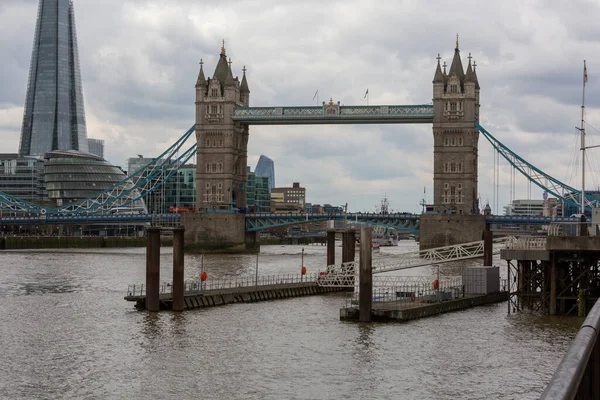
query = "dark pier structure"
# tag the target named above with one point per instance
(555, 275)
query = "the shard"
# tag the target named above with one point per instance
(54, 117)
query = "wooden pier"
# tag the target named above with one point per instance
(269, 289)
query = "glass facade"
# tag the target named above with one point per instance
(266, 167)
(177, 195)
(71, 175)
(23, 177)
(54, 117)
(258, 194)
(96, 147)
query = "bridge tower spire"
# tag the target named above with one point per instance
(456, 109)
(222, 144)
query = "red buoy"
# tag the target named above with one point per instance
(303, 270)
(203, 276)
(436, 284)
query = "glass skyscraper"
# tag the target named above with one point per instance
(266, 167)
(54, 117)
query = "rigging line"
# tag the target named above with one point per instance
(588, 124)
(497, 181)
(571, 170)
(593, 160)
(494, 182)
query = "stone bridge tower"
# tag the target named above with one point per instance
(222, 143)
(455, 138)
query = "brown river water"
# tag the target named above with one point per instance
(66, 332)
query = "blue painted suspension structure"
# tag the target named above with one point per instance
(540, 178)
(121, 194)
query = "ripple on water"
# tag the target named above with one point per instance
(67, 332)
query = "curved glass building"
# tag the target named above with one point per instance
(72, 175)
(266, 167)
(54, 117)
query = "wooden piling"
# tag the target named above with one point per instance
(366, 275)
(553, 284)
(178, 266)
(345, 245)
(152, 269)
(330, 247)
(488, 239)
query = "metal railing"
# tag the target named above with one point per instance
(233, 283)
(409, 295)
(578, 374)
(526, 243)
(570, 229)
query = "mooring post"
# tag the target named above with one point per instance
(152, 269)
(345, 253)
(352, 245)
(488, 239)
(178, 287)
(365, 296)
(581, 304)
(331, 247)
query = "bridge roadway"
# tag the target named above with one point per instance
(257, 222)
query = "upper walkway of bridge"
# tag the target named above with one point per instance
(334, 114)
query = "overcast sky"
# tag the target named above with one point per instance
(139, 64)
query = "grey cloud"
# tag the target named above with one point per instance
(140, 61)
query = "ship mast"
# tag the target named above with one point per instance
(582, 131)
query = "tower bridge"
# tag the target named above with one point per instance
(224, 115)
(222, 130)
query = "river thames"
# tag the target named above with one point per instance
(66, 332)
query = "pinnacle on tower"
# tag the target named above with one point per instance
(456, 66)
(222, 68)
(229, 81)
(201, 79)
(439, 76)
(244, 86)
(475, 75)
(469, 76)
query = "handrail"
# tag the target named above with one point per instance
(574, 377)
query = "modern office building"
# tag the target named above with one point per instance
(294, 198)
(96, 147)
(258, 194)
(266, 167)
(54, 117)
(525, 208)
(22, 177)
(178, 194)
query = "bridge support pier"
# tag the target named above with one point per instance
(178, 266)
(153, 269)
(365, 296)
(331, 247)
